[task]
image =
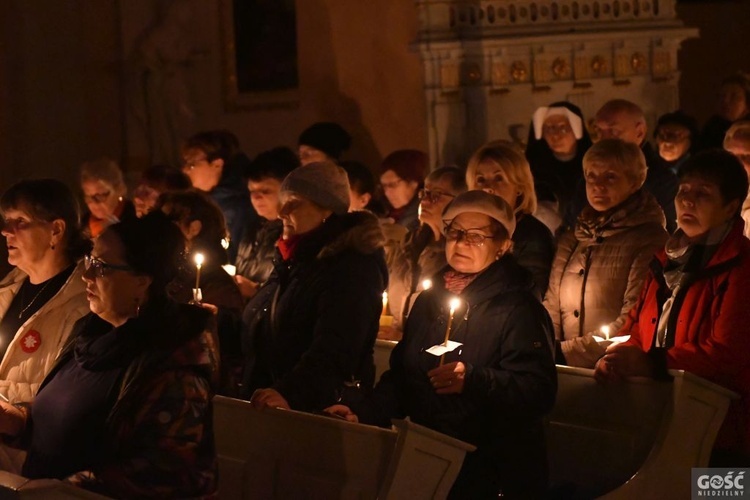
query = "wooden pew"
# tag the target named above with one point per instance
(637, 439)
(287, 454)
(14, 487)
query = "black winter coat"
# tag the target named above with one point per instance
(257, 249)
(534, 248)
(312, 327)
(510, 381)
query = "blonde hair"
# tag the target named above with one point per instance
(103, 169)
(513, 162)
(739, 131)
(626, 156)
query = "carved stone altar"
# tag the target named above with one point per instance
(488, 64)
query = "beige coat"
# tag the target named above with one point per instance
(598, 272)
(22, 373)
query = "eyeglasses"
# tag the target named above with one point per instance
(101, 268)
(433, 196)
(672, 136)
(391, 185)
(191, 163)
(471, 238)
(556, 130)
(97, 197)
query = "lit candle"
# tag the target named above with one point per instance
(426, 284)
(454, 303)
(198, 264)
(225, 243)
(385, 304)
(605, 331)
(419, 212)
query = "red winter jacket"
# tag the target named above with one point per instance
(711, 328)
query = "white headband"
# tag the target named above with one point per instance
(545, 112)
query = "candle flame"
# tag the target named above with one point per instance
(605, 331)
(426, 284)
(454, 303)
(225, 243)
(199, 259)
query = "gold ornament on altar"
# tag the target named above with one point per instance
(518, 72)
(638, 62)
(598, 65)
(561, 68)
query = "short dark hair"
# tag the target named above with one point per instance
(190, 205)
(720, 167)
(360, 177)
(275, 163)
(408, 164)
(215, 144)
(165, 178)
(48, 200)
(153, 245)
(740, 79)
(455, 176)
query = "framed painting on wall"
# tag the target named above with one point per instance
(259, 39)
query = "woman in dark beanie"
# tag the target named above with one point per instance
(692, 314)
(311, 328)
(126, 411)
(676, 137)
(402, 176)
(495, 388)
(323, 141)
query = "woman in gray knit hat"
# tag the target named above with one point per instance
(310, 330)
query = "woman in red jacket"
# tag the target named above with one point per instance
(692, 314)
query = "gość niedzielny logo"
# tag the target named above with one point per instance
(719, 483)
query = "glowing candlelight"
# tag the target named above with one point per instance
(454, 303)
(605, 331)
(385, 304)
(426, 284)
(225, 243)
(199, 259)
(419, 212)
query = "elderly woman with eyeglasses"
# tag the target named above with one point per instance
(500, 168)
(495, 387)
(104, 192)
(126, 410)
(42, 298)
(422, 254)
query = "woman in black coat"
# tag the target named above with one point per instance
(310, 330)
(494, 389)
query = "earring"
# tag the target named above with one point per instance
(52, 246)
(137, 307)
(119, 199)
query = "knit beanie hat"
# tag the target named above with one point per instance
(323, 183)
(329, 137)
(481, 202)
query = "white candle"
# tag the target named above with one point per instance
(199, 259)
(385, 304)
(605, 331)
(453, 304)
